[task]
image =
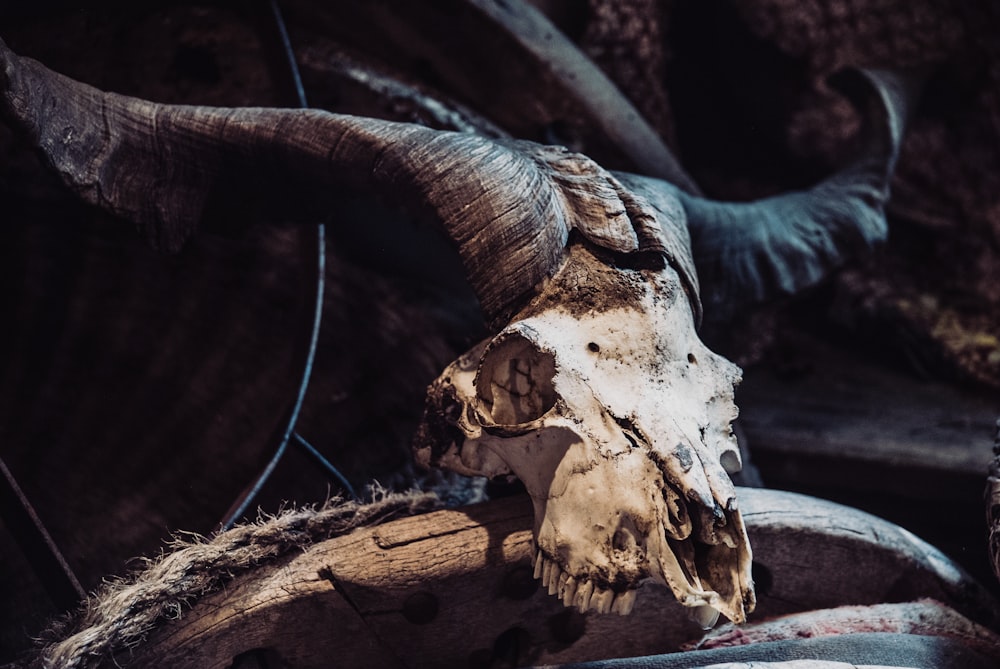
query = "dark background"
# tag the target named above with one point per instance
(140, 392)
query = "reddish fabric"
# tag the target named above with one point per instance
(923, 617)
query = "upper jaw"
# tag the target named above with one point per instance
(714, 575)
(582, 591)
(707, 572)
(724, 588)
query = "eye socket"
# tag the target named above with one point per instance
(514, 382)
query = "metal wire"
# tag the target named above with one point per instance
(19, 515)
(327, 466)
(247, 499)
(286, 48)
(36, 543)
(241, 506)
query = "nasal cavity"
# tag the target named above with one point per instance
(627, 536)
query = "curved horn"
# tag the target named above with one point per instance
(747, 252)
(159, 166)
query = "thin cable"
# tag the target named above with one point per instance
(332, 471)
(251, 494)
(286, 47)
(36, 543)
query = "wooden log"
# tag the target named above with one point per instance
(811, 554)
(827, 417)
(454, 588)
(825, 420)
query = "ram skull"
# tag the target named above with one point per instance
(596, 391)
(600, 397)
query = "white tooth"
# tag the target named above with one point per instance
(569, 591)
(561, 588)
(602, 600)
(624, 603)
(550, 572)
(584, 593)
(705, 616)
(554, 580)
(539, 563)
(730, 459)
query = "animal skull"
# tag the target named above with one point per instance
(600, 397)
(598, 394)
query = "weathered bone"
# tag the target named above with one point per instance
(597, 392)
(600, 397)
(992, 499)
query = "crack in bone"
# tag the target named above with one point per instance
(627, 485)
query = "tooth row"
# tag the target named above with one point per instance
(582, 593)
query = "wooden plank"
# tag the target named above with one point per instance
(288, 610)
(889, 431)
(813, 554)
(454, 588)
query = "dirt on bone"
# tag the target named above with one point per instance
(581, 290)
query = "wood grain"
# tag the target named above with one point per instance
(841, 406)
(454, 588)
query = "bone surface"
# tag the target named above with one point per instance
(596, 392)
(600, 397)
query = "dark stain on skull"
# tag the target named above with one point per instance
(632, 433)
(439, 429)
(594, 283)
(684, 456)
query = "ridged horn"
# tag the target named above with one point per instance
(509, 207)
(749, 252)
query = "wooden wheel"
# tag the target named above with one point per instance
(454, 588)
